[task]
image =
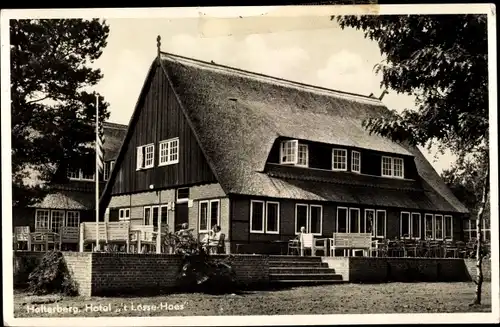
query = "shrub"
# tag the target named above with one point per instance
(201, 272)
(52, 276)
(23, 266)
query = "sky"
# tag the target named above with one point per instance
(312, 50)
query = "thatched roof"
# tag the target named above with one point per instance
(237, 116)
(114, 134)
(68, 200)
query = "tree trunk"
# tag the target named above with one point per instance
(479, 250)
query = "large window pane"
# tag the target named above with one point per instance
(341, 220)
(316, 216)
(381, 223)
(257, 216)
(204, 216)
(354, 220)
(405, 224)
(370, 221)
(272, 217)
(301, 217)
(415, 228)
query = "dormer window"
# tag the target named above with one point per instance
(293, 153)
(392, 167)
(356, 162)
(339, 159)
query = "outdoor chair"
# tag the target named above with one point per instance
(22, 239)
(461, 249)
(449, 247)
(143, 237)
(44, 240)
(410, 247)
(293, 247)
(382, 247)
(307, 241)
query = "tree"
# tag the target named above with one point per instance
(53, 113)
(448, 76)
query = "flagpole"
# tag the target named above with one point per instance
(97, 172)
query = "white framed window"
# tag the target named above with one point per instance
(470, 229)
(124, 214)
(398, 167)
(448, 227)
(288, 152)
(108, 167)
(392, 167)
(73, 173)
(56, 220)
(381, 224)
(356, 161)
(209, 214)
(264, 217)
(339, 159)
(42, 219)
(310, 217)
(73, 218)
(416, 226)
(429, 226)
(405, 225)
(79, 175)
(164, 214)
(369, 222)
(145, 156)
(354, 220)
(169, 152)
(342, 224)
(439, 226)
(151, 214)
(303, 155)
(272, 221)
(294, 153)
(386, 166)
(257, 214)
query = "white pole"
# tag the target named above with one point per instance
(97, 172)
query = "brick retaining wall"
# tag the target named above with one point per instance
(80, 267)
(362, 269)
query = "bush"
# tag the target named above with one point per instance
(52, 276)
(200, 272)
(23, 266)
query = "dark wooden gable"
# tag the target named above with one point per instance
(159, 118)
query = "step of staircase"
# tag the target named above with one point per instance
(306, 264)
(294, 258)
(310, 277)
(300, 270)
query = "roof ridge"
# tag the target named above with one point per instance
(114, 125)
(278, 80)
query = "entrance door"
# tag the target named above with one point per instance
(181, 214)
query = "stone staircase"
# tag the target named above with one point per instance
(301, 270)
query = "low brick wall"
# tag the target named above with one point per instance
(79, 265)
(154, 273)
(132, 273)
(362, 269)
(113, 273)
(471, 268)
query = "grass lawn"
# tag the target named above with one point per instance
(324, 299)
